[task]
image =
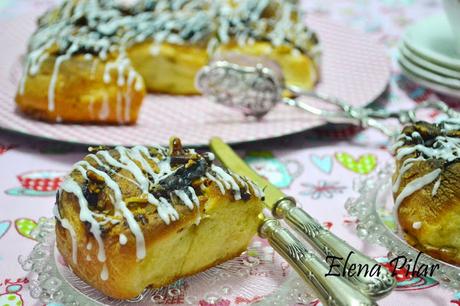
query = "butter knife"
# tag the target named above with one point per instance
(375, 286)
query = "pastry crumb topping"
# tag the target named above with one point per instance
(126, 186)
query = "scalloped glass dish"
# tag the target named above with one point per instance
(259, 276)
(374, 210)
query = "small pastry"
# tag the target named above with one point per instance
(91, 61)
(426, 188)
(148, 216)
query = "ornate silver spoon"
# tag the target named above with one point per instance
(255, 85)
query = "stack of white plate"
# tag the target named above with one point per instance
(427, 56)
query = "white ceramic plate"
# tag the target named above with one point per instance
(428, 75)
(355, 68)
(432, 38)
(429, 84)
(427, 65)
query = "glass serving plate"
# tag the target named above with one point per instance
(259, 276)
(376, 224)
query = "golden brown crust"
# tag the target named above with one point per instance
(220, 226)
(429, 217)
(129, 277)
(80, 94)
(78, 30)
(125, 279)
(172, 69)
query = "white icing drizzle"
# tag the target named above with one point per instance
(120, 206)
(407, 164)
(211, 156)
(451, 124)
(94, 68)
(449, 152)
(96, 159)
(166, 211)
(256, 190)
(436, 185)
(127, 96)
(416, 184)
(89, 246)
(99, 28)
(443, 146)
(91, 107)
(73, 236)
(54, 77)
(70, 186)
(109, 169)
(417, 225)
(184, 198)
(228, 181)
(397, 145)
(104, 111)
(119, 107)
(81, 170)
(33, 62)
(218, 183)
(126, 164)
(122, 239)
(195, 199)
(138, 154)
(416, 135)
(137, 162)
(104, 272)
(66, 224)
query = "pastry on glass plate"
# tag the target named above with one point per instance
(426, 187)
(129, 218)
(92, 61)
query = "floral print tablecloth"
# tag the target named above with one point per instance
(319, 173)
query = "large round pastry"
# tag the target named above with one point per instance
(427, 188)
(147, 216)
(93, 60)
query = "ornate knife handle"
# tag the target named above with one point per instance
(375, 285)
(331, 290)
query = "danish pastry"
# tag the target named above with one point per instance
(92, 61)
(147, 216)
(426, 188)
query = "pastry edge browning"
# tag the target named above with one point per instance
(171, 71)
(129, 277)
(437, 217)
(80, 93)
(428, 217)
(167, 65)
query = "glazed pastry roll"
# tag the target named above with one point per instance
(426, 188)
(129, 218)
(82, 88)
(91, 61)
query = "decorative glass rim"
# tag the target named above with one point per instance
(49, 284)
(374, 192)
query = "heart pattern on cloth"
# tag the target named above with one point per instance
(4, 227)
(24, 226)
(364, 164)
(323, 163)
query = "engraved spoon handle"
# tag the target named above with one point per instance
(331, 290)
(375, 285)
